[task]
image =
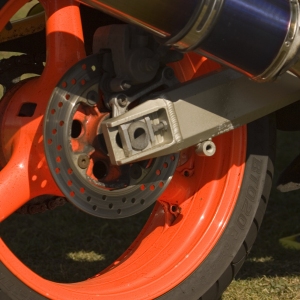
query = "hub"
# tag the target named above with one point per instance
(77, 154)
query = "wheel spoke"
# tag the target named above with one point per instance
(14, 186)
(23, 179)
(26, 173)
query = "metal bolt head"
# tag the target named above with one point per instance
(125, 85)
(122, 100)
(83, 161)
(207, 148)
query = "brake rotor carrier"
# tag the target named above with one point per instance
(77, 157)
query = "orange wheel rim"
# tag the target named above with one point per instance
(185, 225)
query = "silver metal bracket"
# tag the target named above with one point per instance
(194, 112)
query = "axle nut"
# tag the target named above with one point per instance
(138, 135)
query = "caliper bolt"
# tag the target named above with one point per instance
(92, 98)
(163, 125)
(118, 85)
(125, 85)
(122, 100)
(207, 148)
(83, 161)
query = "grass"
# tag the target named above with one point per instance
(67, 245)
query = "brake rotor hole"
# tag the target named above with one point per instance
(60, 104)
(58, 159)
(142, 187)
(54, 131)
(76, 129)
(152, 187)
(143, 201)
(59, 147)
(119, 211)
(110, 206)
(95, 207)
(88, 199)
(67, 96)
(104, 197)
(99, 169)
(133, 200)
(165, 165)
(83, 67)
(82, 190)
(73, 81)
(61, 123)
(57, 170)
(124, 200)
(53, 111)
(64, 84)
(49, 142)
(72, 194)
(70, 171)
(161, 184)
(158, 172)
(70, 182)
(93, 68)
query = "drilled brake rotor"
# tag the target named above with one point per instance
(77, 157)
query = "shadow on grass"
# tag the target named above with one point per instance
(67, 245)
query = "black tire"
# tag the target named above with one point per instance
(213, 276)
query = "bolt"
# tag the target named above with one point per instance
(92, 98)
(122, 100)
(163, 125)
(83, 161)
(125, 85)
(118, 85)
(207, 148)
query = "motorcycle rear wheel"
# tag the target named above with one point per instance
(193, 252)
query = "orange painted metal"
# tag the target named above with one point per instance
(185, 224)
(22, 137)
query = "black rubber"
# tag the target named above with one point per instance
(213, 276)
